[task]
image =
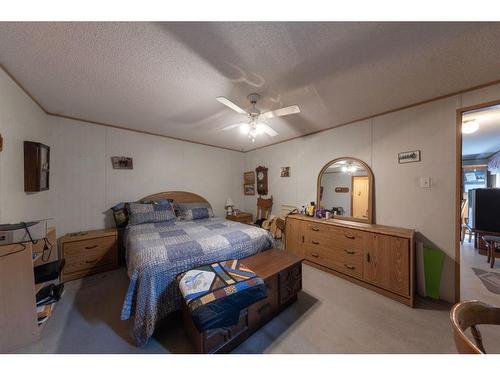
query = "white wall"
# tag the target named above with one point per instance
(20, 120)
(85, 185)
(330, 199)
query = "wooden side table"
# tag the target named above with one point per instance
(89, 252)
(241, 217)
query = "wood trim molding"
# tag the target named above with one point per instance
(458, 186)
(492, 83)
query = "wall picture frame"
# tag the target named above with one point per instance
(285, 172)
(122, 162)
(249, 177)
(409, 157)
(249, 189)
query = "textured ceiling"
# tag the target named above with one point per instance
(486, 140)
(164, 77)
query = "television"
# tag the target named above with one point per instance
(484, 210)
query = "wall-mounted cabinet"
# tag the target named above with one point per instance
(36, 166)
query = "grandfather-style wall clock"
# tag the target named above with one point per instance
(261, 180)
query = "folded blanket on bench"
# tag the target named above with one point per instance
(215, 294)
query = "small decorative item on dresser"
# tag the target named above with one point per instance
(229, 207)
(285, 172)
(89, 252)
(241, 217)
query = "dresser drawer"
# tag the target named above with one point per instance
(89, 254)
(351, 265)
(92, 246)
(353, 240)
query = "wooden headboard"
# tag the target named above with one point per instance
(176, 196)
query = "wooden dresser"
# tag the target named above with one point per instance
(377, 257)
(241, 217)
(90, 252)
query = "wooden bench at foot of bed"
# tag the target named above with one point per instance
(282, 273)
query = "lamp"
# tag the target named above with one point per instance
(229, 206)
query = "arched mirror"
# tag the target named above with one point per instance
(345, 188)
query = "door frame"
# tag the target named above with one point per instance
(458, 186)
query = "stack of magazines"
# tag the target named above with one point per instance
(45, 300)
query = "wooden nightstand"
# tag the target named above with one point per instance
(241, 217)
(89, 252)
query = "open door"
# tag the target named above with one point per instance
(360, 191)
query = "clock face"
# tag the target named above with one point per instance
(260, 175)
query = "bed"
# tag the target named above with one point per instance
(157, 252)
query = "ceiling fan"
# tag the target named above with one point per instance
(255, 124)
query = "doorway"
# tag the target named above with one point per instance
(360, 192)
(478, 202)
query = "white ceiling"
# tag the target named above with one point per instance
(164, 77)
(486, 140)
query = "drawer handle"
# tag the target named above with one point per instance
(315, 229)
(314, 255)
(351, 252)
(368, 258)
(264, 308)
(90, 247)
(351, 237)
(349, 266)
(315, 242)
(91, 261)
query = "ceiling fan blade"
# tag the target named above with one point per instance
(229, 127)
(267, 129)
(281, 112)
(231, 105)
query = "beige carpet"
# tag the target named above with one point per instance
(331, 316)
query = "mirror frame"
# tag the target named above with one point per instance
(370, 197)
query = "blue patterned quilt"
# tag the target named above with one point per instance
(158, 252)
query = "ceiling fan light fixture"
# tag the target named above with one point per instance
(469, 127)
(245, 128)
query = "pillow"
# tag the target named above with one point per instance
(194, 211)
(120, 214)
(141, 213)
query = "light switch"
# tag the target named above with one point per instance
(425, 182)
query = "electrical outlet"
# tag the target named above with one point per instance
(425, 182)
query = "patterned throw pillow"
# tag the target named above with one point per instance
(140, 213)
(194, 211)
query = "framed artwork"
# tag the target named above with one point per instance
(249, 177)
(285, 172)
(409, 157)
(249, 189)
(122, 162)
